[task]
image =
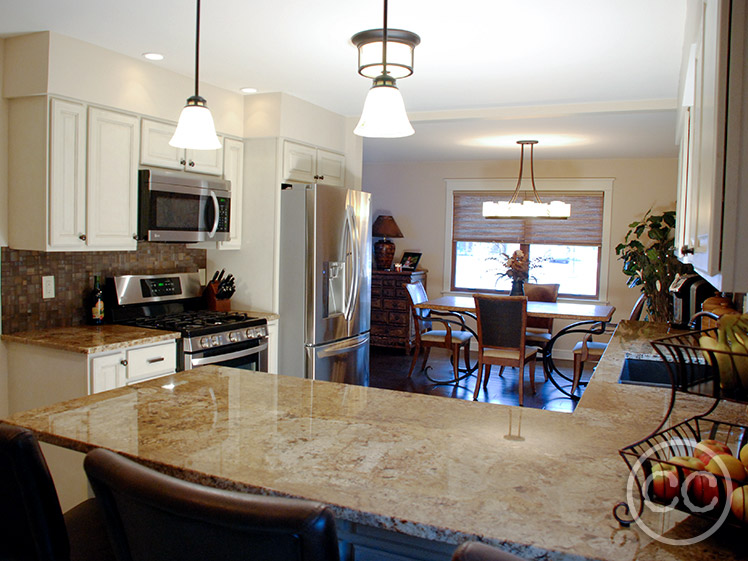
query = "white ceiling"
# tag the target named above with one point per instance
(588, 78)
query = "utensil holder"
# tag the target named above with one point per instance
(213, 303)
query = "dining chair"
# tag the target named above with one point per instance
(540, 330)
(477, 551)
(502, 324)
(427, 337)
(33, 526)
(153, 516)
(588, 350)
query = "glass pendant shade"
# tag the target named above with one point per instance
(195, 129)
(384, 113)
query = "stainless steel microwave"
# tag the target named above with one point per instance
(176, 206)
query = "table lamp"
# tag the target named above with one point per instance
(384, 250)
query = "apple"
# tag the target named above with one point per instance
(707, 449)
(689, 463)
(739, 503)
(730, 464)
(703, 488)
(665, 481)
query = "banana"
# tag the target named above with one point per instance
(736, 339)
(722, 362)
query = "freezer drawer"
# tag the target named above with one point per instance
(345, 361)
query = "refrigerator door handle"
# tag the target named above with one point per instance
(355, 262)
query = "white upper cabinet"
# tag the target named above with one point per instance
(233, 170)
(711, 208)
(67, 174)
(308, 164)
(83, 197)
(155, 150)
(112, 194)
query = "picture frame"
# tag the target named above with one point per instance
(410, 260)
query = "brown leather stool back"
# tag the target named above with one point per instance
(477, 551)
(32, 526)
(155, 517)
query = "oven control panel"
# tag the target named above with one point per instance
(162, 286)
(225, 338)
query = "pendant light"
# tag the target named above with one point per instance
(196, 129)
(384, 113)
(526, 209)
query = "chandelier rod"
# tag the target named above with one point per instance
(532, 144)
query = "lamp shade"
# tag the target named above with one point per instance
(384, 113)
(195, 129)
(386, 227)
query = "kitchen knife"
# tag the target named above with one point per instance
(220, 276)
(215, 276)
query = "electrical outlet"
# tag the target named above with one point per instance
(48, 287)
(203, 277)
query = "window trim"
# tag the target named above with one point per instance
(549, 184)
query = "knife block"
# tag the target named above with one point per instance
(213, 303)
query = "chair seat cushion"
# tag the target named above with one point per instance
(440, 335)
(593, 348)
(88, 535)
(539, 336)
(509, 354)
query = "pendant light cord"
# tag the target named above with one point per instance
(197, 49)
(384, 40)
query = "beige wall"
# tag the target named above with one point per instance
(415, 194)
(3, 221)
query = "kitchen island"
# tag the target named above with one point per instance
(436, 470)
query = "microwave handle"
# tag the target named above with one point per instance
(215, 214)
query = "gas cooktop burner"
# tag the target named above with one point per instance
(193, 320)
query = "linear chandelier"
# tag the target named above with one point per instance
(384, 113)
(196, 129)
(528, 208)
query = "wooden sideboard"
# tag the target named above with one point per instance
(391, 322)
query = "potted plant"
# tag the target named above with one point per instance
(649, 261)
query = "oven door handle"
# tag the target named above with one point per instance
(229, 356)
(216, 212)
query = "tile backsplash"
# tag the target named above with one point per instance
(24, 309)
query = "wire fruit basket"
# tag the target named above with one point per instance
(661, 466)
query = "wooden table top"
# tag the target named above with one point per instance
(555, 310)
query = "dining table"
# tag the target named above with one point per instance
(587, 318)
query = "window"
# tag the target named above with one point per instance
(569, 252)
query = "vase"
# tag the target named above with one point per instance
(518, 287)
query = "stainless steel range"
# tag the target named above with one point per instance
(172, 302)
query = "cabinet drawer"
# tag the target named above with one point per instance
(376, 291)
(390, 331)
(391, 304)
(151, 361)
(398, 318)
(378, 316)
(393, 293)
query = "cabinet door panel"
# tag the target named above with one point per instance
(154, 145)
(299, 162)
(67, 175)
(107, 372)
(112, 179)
(205, 161)
(233, 170)
(330, 168)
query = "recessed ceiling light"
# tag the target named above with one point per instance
(248, 90)
(153, 56)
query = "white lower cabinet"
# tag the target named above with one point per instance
(273, 346)
(116, 369)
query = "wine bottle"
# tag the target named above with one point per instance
(96, 303)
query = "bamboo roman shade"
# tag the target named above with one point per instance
(584, 227)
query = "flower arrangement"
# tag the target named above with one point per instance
(517, 266)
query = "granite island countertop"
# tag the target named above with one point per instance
(90, 339)
(539, 483)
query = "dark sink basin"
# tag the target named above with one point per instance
(654, 373)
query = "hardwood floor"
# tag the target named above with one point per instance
(389, 370)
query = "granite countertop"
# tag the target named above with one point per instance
(539, 483)
(90, 339)
(270, 316)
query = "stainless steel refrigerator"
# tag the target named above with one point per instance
(325, 283)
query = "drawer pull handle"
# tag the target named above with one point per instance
(123, 362)
(152, 360)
